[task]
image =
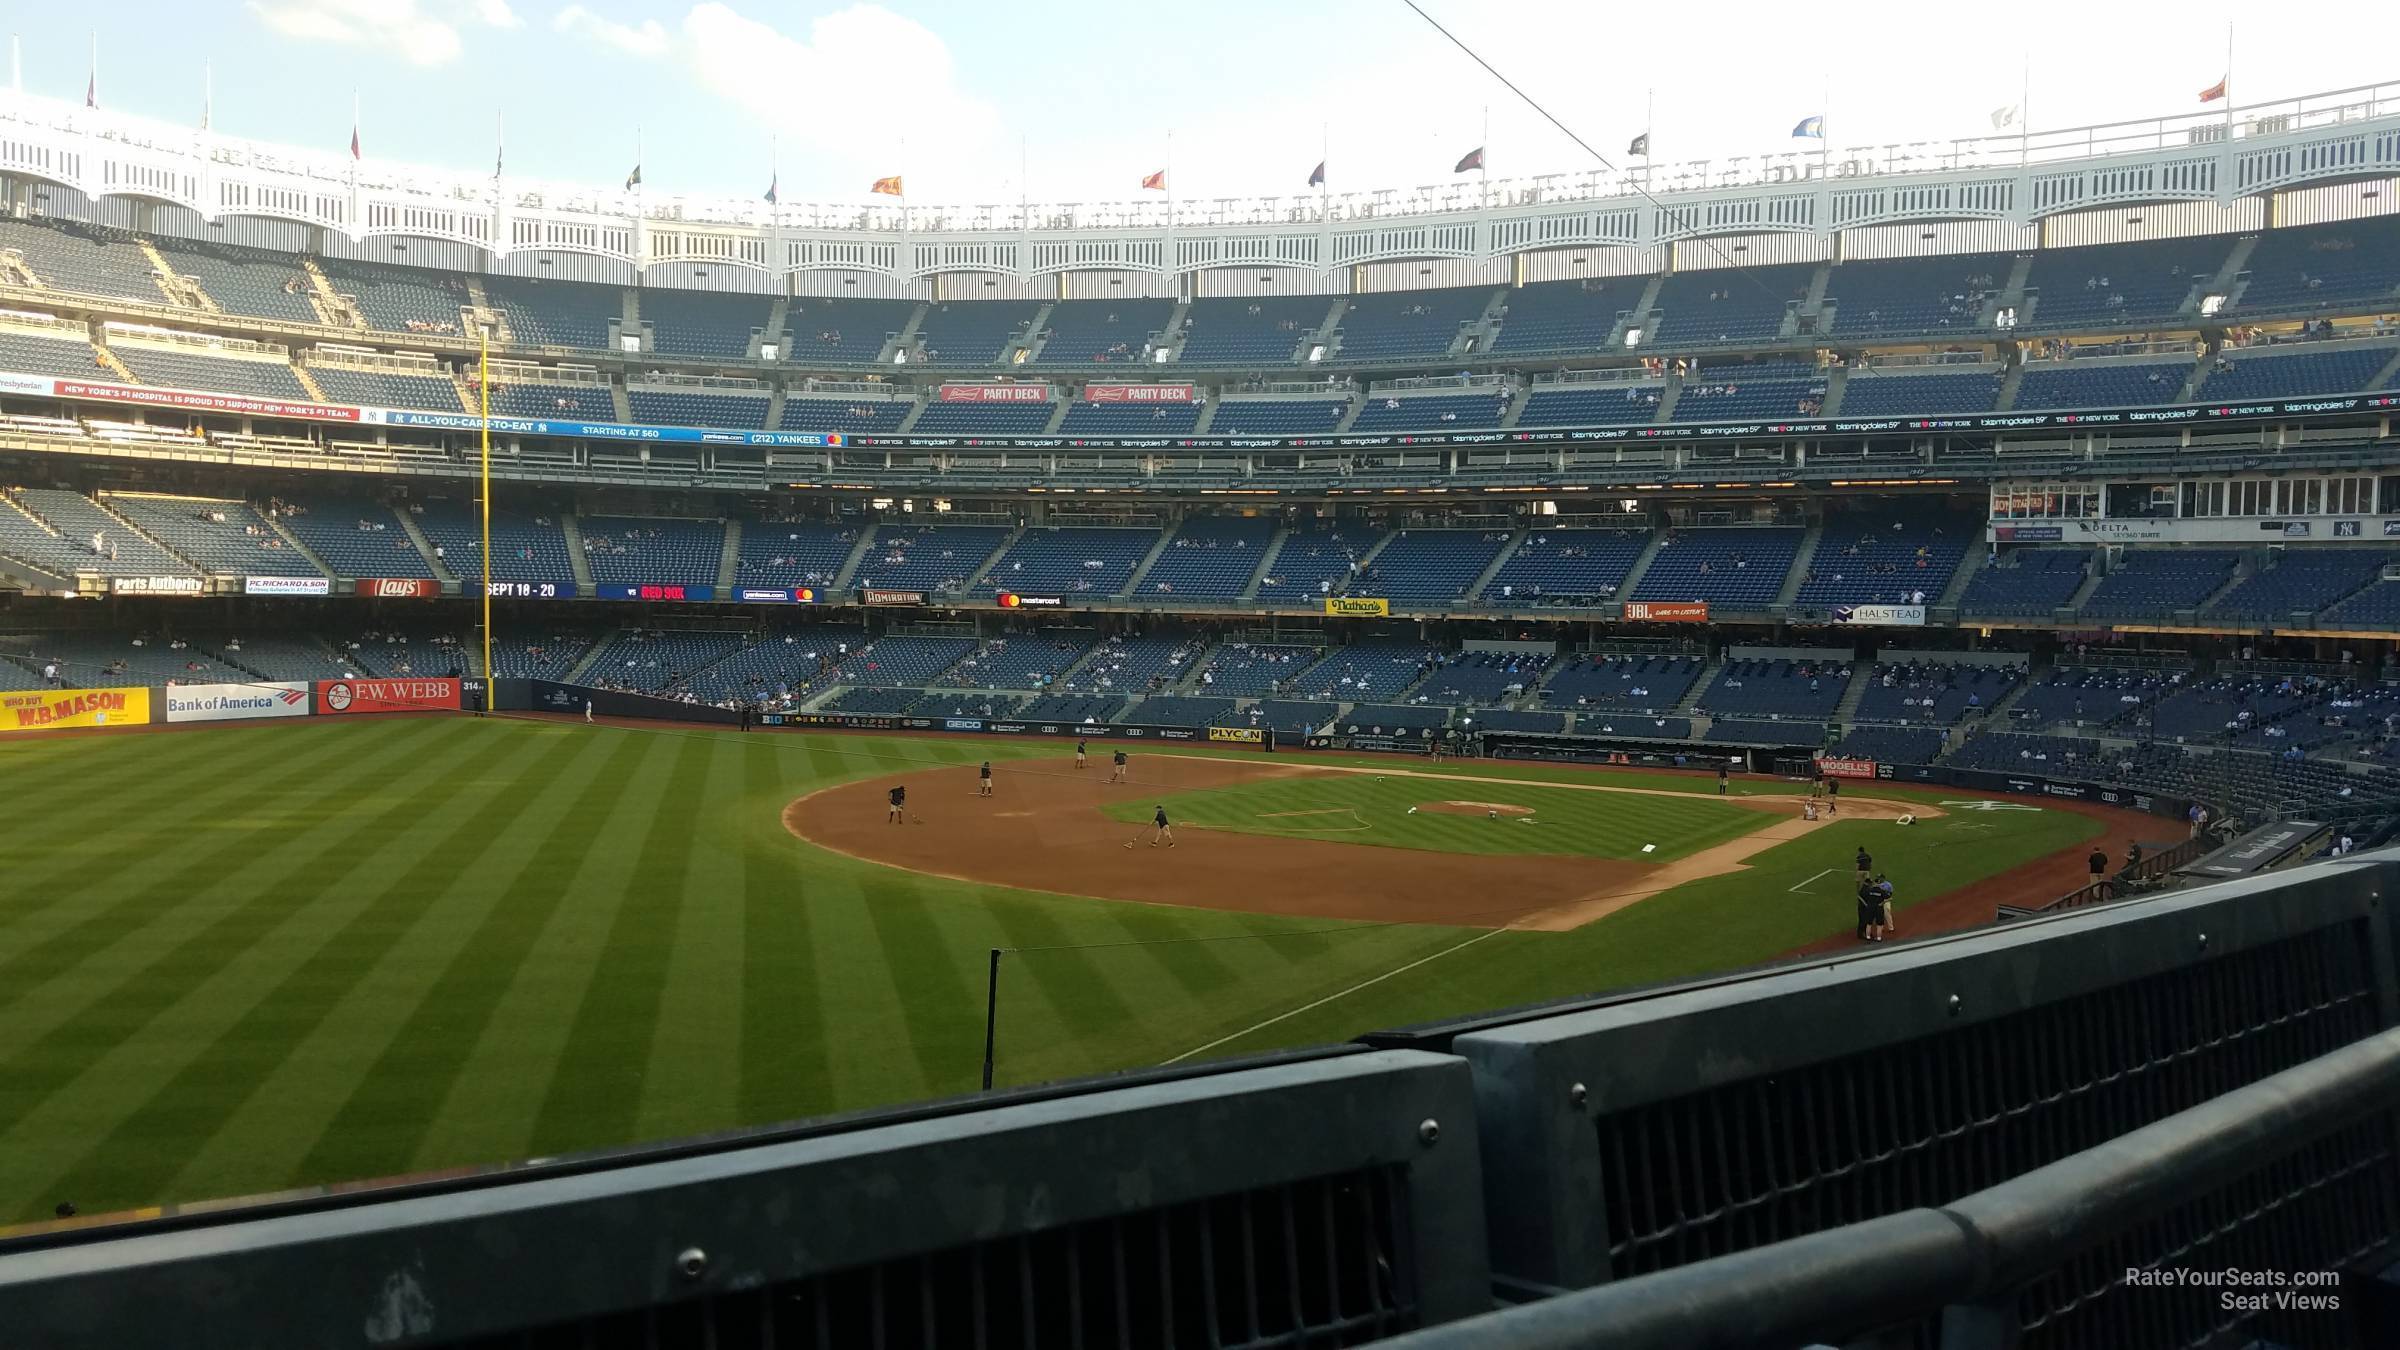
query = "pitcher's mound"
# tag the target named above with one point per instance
(1474, 809)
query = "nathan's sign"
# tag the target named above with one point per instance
(46, 709)
(382, 696)
(1140, 393)
(397, 588)
(1356, 607)
(995, 393)
(876, 597)
(1678, 611)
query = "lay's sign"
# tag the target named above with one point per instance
(48, 709)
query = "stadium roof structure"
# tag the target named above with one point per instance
(2212, 156)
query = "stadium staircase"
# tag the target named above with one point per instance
(2199, 372)
(1837, 382)
(485, 314)
(1170, 334)
(416, 536)
(1500, 559)
(2234, 276)
(1801, 558)
(1668, 399)
(2243, 569)
(729, 562)
(109, 359)
(772, 331)
(1266, 563)
(1358, 405)
(1158, 548)
(618, 402)
(2389, 376)
(1516, 405)
(1208, 416)
(2091, 582)
(462, 381)
(904, 341)
(1853, 694)
(583, 663)
(1367, 559)
(775, 400)
(998, 552)
(1031, 342)
(182, 292)
(576, 560)
(1689, 704)
(1959, 581)
(1476, 338)
(1641, 564)
(125, 523)
(1325, 334)
(858, 554)
(2007, 397)
(292, 542)
(915, 411)
(2010, 293)
(309, 382)
(629, 321)
(331, 307)
(1059, 408)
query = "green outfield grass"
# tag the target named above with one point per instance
(243, 959)
(1398, 812)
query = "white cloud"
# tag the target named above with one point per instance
(398, 26)
(497, 14)
(646, 40)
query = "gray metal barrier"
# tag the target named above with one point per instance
(1326, 1202)
(2064, 1255)
(1649, 1132)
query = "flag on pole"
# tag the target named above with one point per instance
(2004, 118)
(1156, 182)
(1472, 162)
(1316, 176)
(2215, 91)
(633, 180)
(1810, 129)
(91, 90)
(772, 180)
(889, 187)
(1640, 146)
(354, 141)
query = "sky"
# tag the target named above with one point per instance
(1076, 102)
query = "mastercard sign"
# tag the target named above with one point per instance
(1012, 600)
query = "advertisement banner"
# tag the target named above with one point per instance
(1677, 611)
(1238, 735)
(1140, 393)
(1845, 768)
(1356, 607)
(1889, 616)
(383, 696)
(775, 595)
(287, 586)
(154, 586)
(534, 590)
(1012, 600)
(36, 386)
(618, 590)
(204, 402)
(875, 597)
(235, 702)
(44, 709)
(995, 393)
(398, 588)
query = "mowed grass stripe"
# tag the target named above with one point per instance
(693, 1081)
(939, 1022)
(146, 820)
(138, 1156)
(785, 1017)
(380, 1127)
(494, 1110)
(596, 1086)
(49, 965)
(86, 1084)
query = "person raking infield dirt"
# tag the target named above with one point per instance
(983, 780)
(899, 798)
(1079, 752)
(1117, 772)
(1161, 830)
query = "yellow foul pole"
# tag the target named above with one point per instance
(483, 389)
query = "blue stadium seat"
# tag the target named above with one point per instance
(244, 281)
(1890, 745)
(972, 332)
(221, 537)
(1727, 308)
(940, 558)
(685, 408)
(1133, 665)
(2107, 285)
(1091, 561)
(1278, 417)
(1408, 325)
(2302, 580)
(828, 414)
(1249, 330)
(1565, 567)
(1941, 296)
(1431, 412)
(195, 368)
(524, 547)
(1246, 670)
(1616, 683)
(64, 354)
(2308, 268)
(1210, 558)
(2290, 373)
(556, 313)
(2028, 583)
(1920, 395)
(357, 537)
(1592, 405)
(832, 331)
(1102, 332)
(1873, 558)
(705, 324)
(791, 553)
(386, 389)
(1030, 660)
(1793, 690)
(1736, 566)
(1429, 567)
(1774, 390)
(2155, 583)
(1129, 419)
(983, 419)
(403, 299)
(641, 549)
(1565, 317)
(2085, 383)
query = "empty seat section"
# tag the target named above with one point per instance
(357, 537)
(1890, 745)
(541, 399)
(1473, 679)
(1093, 561)
(900, 661)
(219, 536)
(1804, 690)
(1132, 665)
(402, 299)
(983, 419)
(1564, 317)
(1129, 419)
(654, 661)
(821, 331)
(1102, 332)
(2155, 583)
(1932, 693)
(77, 518)
(84, 259)
(2027, 583)
(1405, 325)
(65, 354)
(1182, 710)
(972, 332)
(1385, 719)
(833, 414)
(1937, 296)
(1030, 660)
(1373, 668)
(1278, 417)
(1431, 567)
(926, 557)
(699, 323)
(1737, 565)
(1728, 307)
(1621, 683)
(1559, 567)
(245, 281)
(194, 369)
(1763, 389)
(646, 549)
(2314, 267)
(1210, 558)
(1591, 405)
(777, 666)
(684, 408)
(1878, 559)
(1249, 330)
(2294, 374)
(2300, 581)
(1247, 670)
(1920, 395)
(2095, 384)
(524, 547)
(1431, 412)
(2109, 284)
(788, 553)
(556, 313)
(386, 389)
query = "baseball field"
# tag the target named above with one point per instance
(240, 960)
